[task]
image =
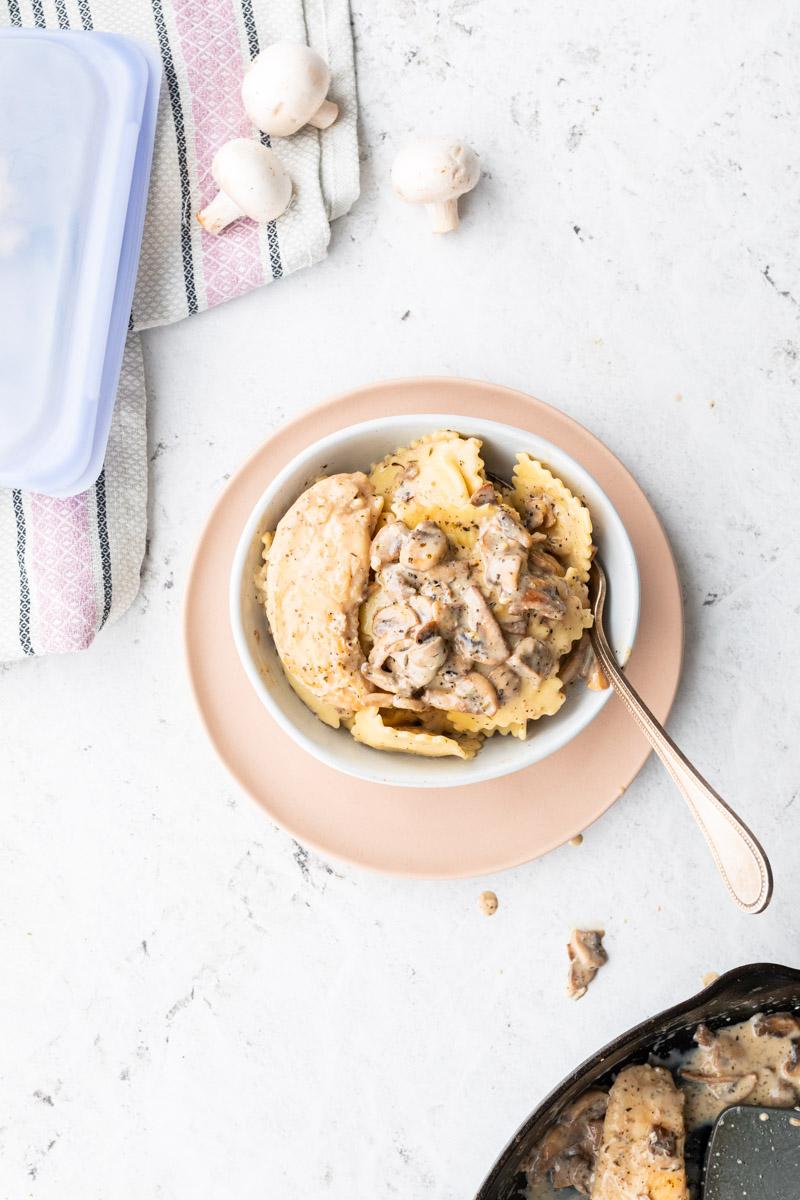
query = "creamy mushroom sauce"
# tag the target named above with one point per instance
(754, 1062)
(453, 630)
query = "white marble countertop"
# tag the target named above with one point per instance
(192, 1005)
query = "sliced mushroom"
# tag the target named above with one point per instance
(433, 617)
(505, 681)
(425, 547)
(724, 1055)
(405, 666)
(662, 1142)
(790, 1069)
(428, 611)
(504, 546)
(484, 495)
(586, 956)
(734, 1091)
(541, 596)
(398, 581)
(730, 1087)
(540, 561)
(387, 544)
(508, 572)
(532, 659)
(379, 700)
(596, 680)
(538, 512)
(775, 1025)
(501, 531)
(393, 622)
(446, 581)
(704, 1037)
(782, 1092)
(471, 693)
(480, 637)
(578, 662)
(572, 1170)
(418, 663)
(569, 1148)
(409, 703)
(516, 626)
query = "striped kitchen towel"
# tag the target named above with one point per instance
(69, 567)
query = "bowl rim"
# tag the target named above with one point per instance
(478, 772)
(734, 985)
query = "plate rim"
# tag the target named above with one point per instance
(469, 391)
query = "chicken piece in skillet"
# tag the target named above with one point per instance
(642, 1153)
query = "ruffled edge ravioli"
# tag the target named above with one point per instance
(571, 535)
(576, 619)
(450, 471)
(368, 727)
(534, 700)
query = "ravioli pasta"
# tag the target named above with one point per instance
(456, 609)
(570, 534)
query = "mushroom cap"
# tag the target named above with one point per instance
(284, 86)
(253, 177)
(433, 169)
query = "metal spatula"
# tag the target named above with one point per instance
(753, 1154)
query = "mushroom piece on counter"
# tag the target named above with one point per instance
(642, 1153)
(587, 955)
(285, 88)
(252, 183)
(435, 171)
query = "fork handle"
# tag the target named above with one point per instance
(741, 862)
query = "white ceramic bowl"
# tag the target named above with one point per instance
(356, 448)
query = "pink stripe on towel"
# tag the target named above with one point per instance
(63, 599)
(213, 55)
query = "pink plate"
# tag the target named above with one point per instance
(430, 833)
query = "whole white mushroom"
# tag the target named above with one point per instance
(285, 87)
(252, 183)
(435, 171)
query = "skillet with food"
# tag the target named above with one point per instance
(637, 1115)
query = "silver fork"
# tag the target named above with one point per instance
(740, 860)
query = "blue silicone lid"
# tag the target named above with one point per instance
(77, 124)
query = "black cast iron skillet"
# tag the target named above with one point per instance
(735, 996)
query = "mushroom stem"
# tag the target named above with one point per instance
(325, 115)
(444, 215)
(220, 213)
